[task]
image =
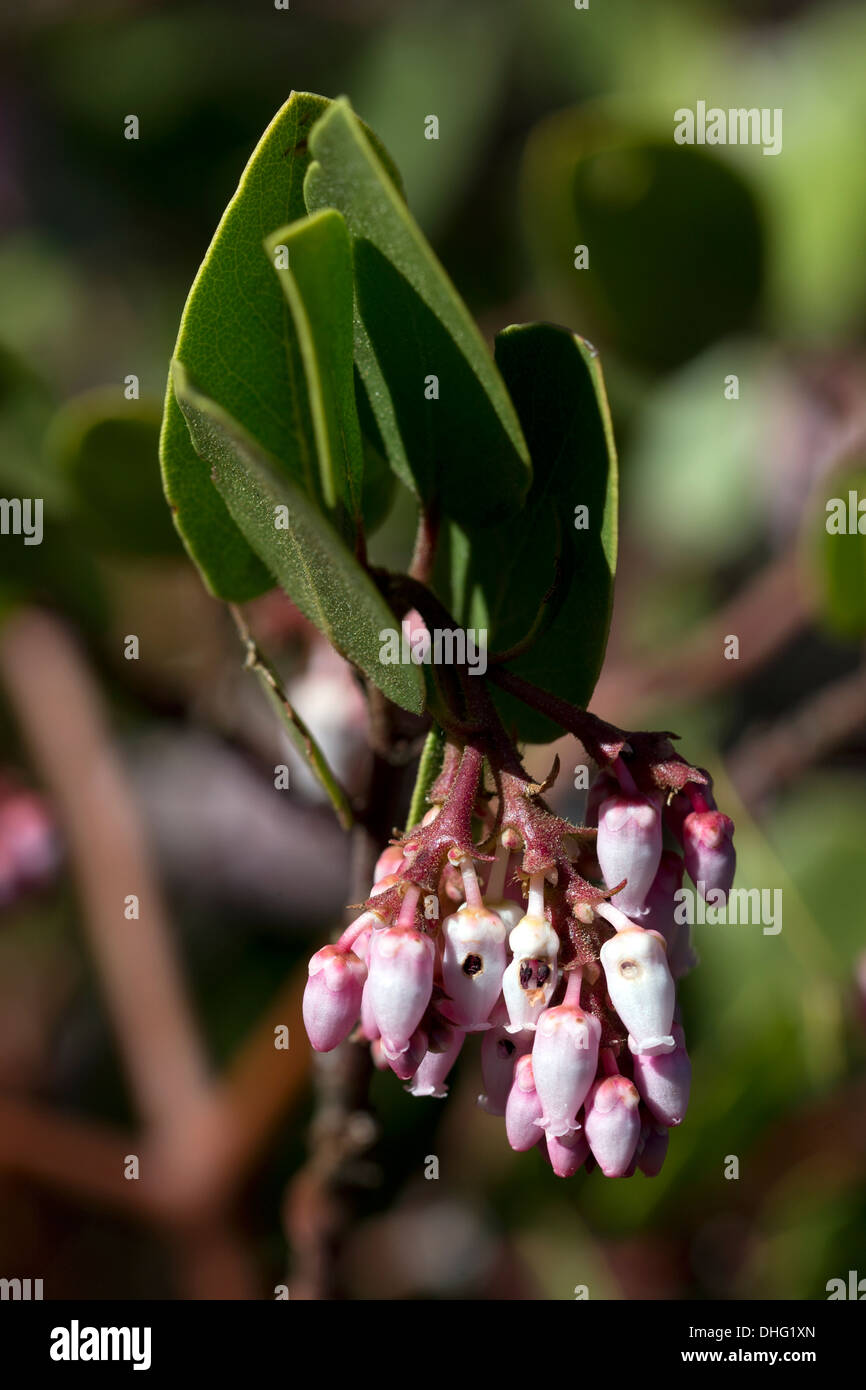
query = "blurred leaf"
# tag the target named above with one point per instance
(818, 827)
(106, 451)
(238, 341)
(694, 489)
(556, 385)
(837, 557)
(59, 572)
(675, 245)
(318, 287)
(440, 59)
(42, 298)
(26, 408)
(308, 560)
(464, 449)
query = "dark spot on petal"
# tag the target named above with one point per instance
(472, 965)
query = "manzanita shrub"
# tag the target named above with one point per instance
(323, 354)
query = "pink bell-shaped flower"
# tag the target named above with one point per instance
(661, 911)
(406, 1064)
(708, 849)
(523, 1108)
(390, 862)
(429, 1079)
(400, 983)
(332, 998)
(567, 1152)
(629, 846)
(664, 1081)
(641, 987)
(473, 963)
(369, 1026)
(612, 1124)
(652, 1148)
(499, 1051)
(565, 1060)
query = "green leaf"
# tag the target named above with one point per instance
(465, 449)
(836, 552)
(106, 453)
(317, 283)
(380, 483)
(429, 767)
(505, 575)
(668, 228)
(237, 340)
(309, 559)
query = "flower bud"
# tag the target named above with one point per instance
(473, 963)
(641, 988)
(509, 913)
(629, 846)
(369, 1026)
(604, 786)
(332, 998)
(499, 1051)
(708, 850)
(406, 1064)
(564, 1061)
(523, 1108)
(400, 985)
(680, 805)
(567, 1152)
(389, 863)
(652, 1148)
(664, 1082)
(612, 1124)
(659, 901)
(530, 979)
(429, 1079)
(661, 914)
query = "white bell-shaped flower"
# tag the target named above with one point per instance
(641, 988)
(530, 979)
(473, 963)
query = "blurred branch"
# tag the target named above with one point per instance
(200, 1136)
(766, 759)
(765, 615)
(59, 709)
(79, 1157)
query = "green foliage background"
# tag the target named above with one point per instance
(554, 129)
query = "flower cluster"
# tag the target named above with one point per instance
(565, 962)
